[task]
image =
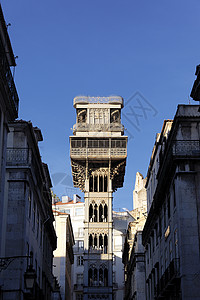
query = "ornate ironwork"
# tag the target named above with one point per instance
(18, 156)
(98, 127)
(5, 261)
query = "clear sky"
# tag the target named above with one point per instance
(145, 51)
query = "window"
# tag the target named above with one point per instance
(168, 206)
(80, 232)
(29, 210)
(79, 279)
(79, 212)
(80, 245)
(79, 296)
(174, 193)
(80, 261)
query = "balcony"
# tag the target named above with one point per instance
(8, 85)
(84, 127)
(109, 100)
(169, 280)
(18, 157)
(186, 148)
(101, 148)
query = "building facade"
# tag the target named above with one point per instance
(171, 233)
(98, 153)
(134, 252)
(62, 209)
(27, 225)
(121, 220)
(9, 102)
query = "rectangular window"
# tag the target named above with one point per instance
(29, 201)
(79, 279)
(80, 245)
(80, 261)
(79, 211)
(168, 207)
(79, 296)
(174, 193)
(80, 232)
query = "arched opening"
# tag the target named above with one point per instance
(105, 277)
(95, 241)
(100, 242)
(95, 183)
(100, 183)
(91, 184)
(90, 213)
(90, 241)
(95, 277)
(95, 213)
(105, 244)
(90, 281)
(105, 183)
(101, 279)
(100, 213)
(105, 212)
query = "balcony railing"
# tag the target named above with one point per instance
(186, 148)
(98, 127)
(8, 82)
(18, 156)
(167, 281)
(86, 100)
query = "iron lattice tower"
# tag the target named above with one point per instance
(98, 151)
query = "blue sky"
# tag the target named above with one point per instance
(145, 51)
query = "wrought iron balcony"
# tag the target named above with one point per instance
(81, 148)
(82, 127)
(186, 148)
(18, 156)
(168, 279)
(11, 95)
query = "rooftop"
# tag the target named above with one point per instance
(88, 99)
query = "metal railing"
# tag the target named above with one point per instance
(98, 127)
(18, 156)
(188, 147)
(8, 80)
(172, 272)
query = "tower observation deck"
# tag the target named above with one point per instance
(98, 151)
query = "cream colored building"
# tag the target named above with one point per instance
(74, 208)
(98, 152)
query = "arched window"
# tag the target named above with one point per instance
(90, 213)
(95, 277)
(100, 183)
(105, 277)
(90, 279)
(95, 241)
(105, 212)
(90, 241)
(95, 183)
(101, 277)
(91, 184)
(101, 213)
(95, 213)
(105, 244)
(101, 242)
(105, 183)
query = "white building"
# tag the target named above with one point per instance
(133, 252)
(75, 208)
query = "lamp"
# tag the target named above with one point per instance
(30, 274)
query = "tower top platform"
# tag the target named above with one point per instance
(98, 100)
